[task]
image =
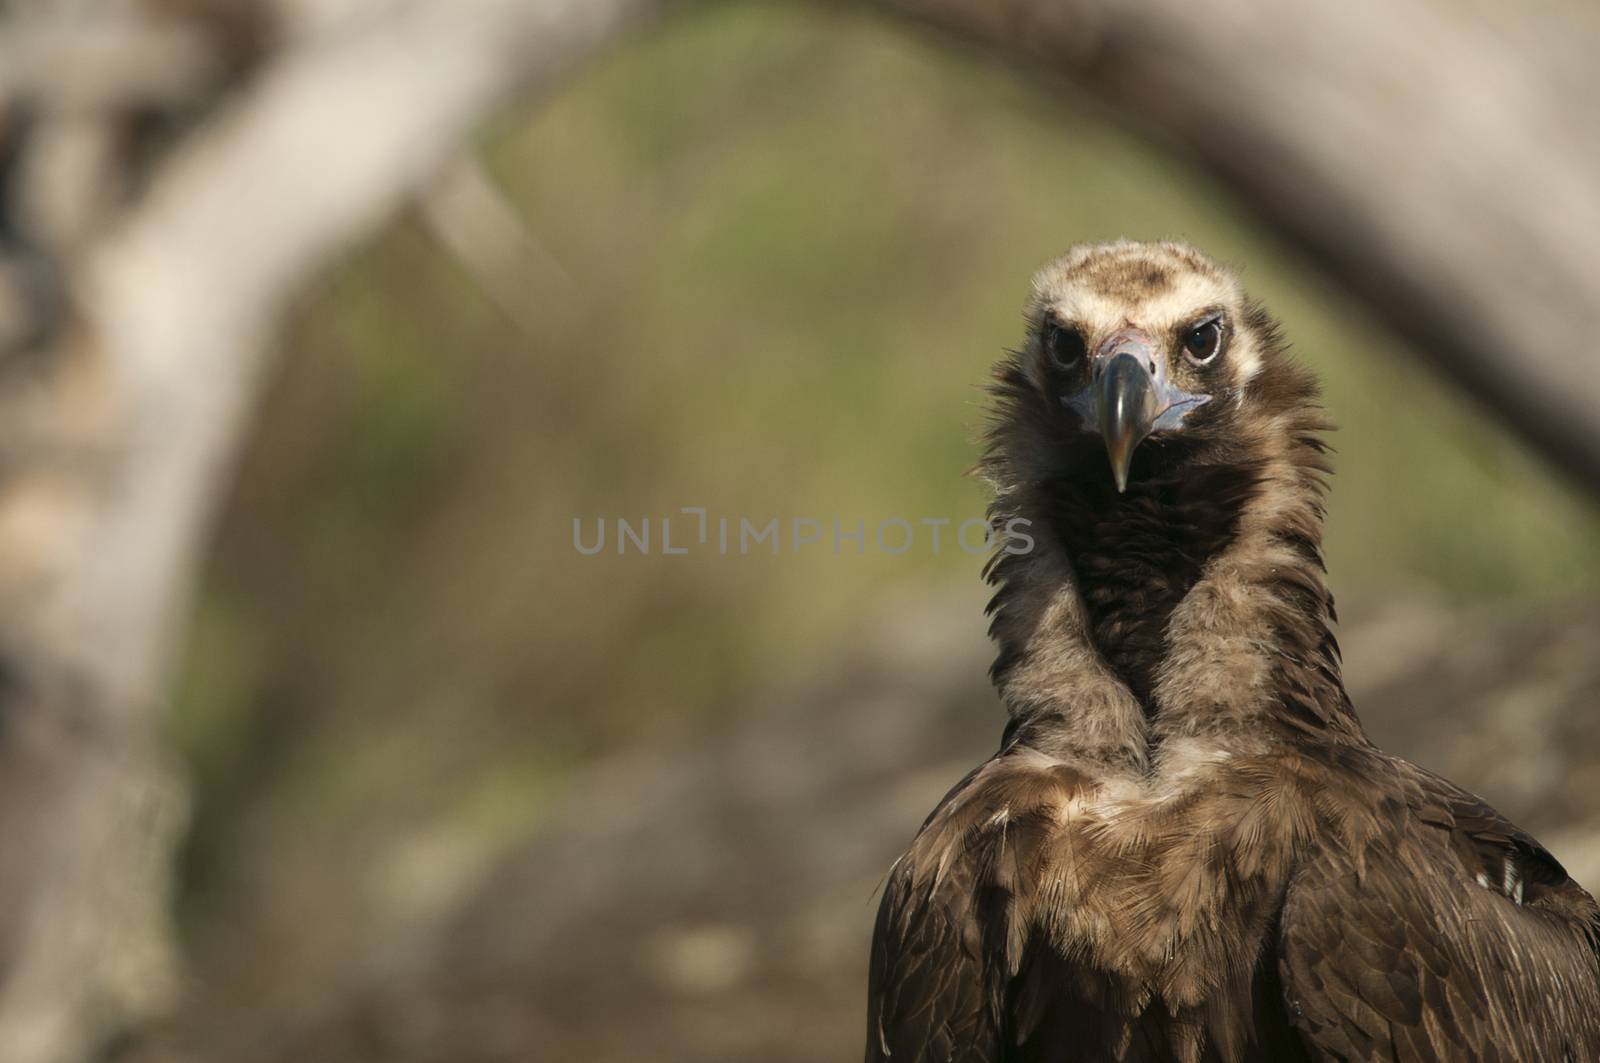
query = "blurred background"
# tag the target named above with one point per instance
(785, 249)
(463, 793)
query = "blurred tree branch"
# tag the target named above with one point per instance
(214, 162)
(1436, 161)
(480, 227)
(173, 173)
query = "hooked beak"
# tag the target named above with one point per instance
(1131, 397)
(1126, 403)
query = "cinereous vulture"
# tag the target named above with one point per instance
(1187, 848)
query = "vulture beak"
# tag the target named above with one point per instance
(1127, 406)
(1130, 397)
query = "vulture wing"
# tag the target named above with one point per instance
(951, 934)
(926, 994)
(1454, 936)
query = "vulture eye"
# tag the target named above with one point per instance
(1203, 343)
(1064, 345)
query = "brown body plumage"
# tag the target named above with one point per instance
(1186, 847)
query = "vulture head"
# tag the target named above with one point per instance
(1141, 359)
(1150, 422)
